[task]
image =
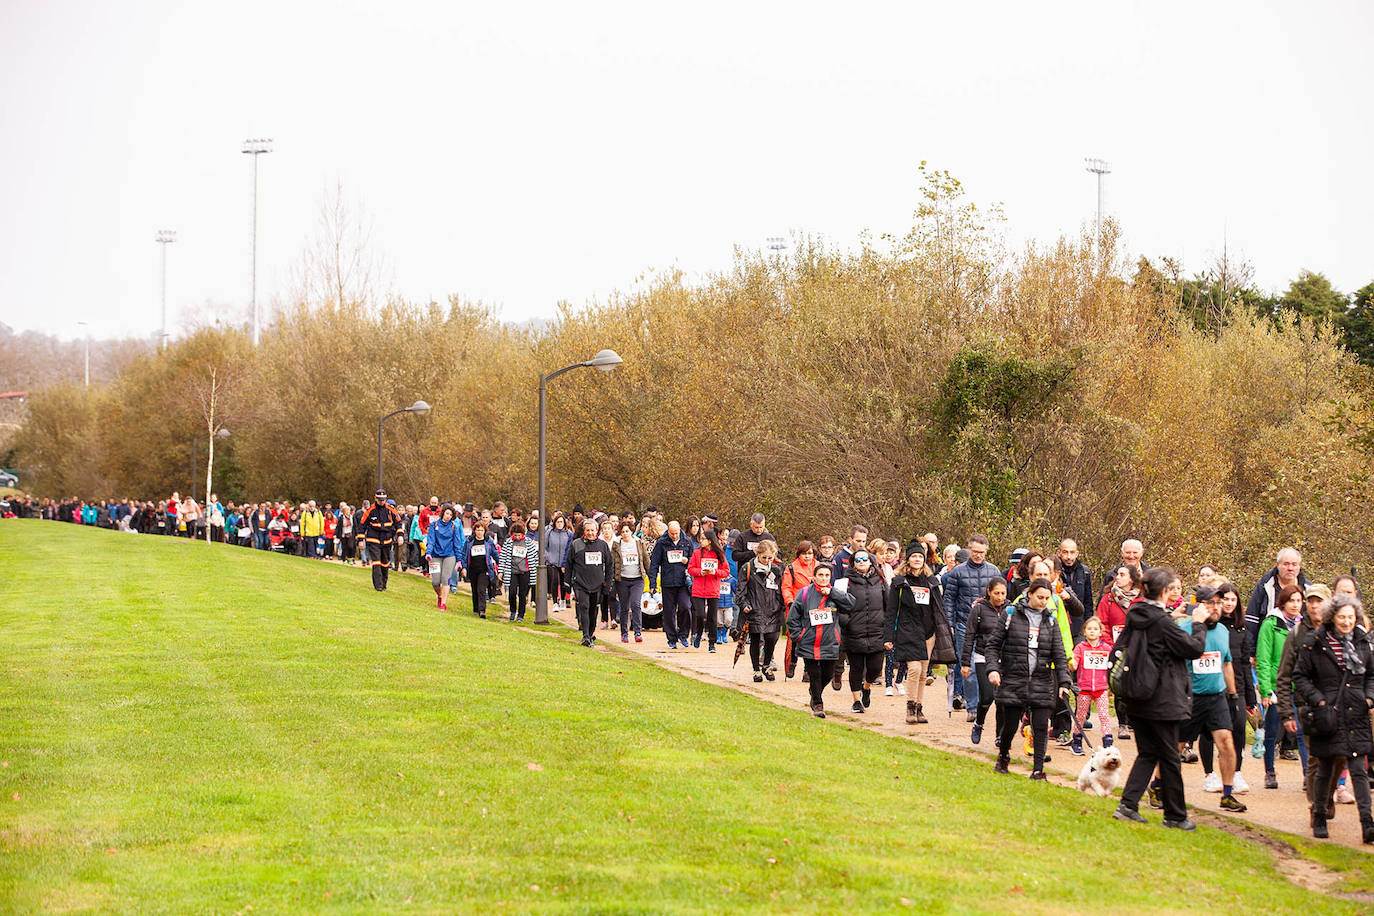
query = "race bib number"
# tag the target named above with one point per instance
(593, 558)
(725, 588)
(1096, 661)
(1116, 633)
(708, 567)
(1209, 663)
(295, 529)
(822, 616)
(243, 532)
(921, 595)
(752, 545)
(480, 550)
(1033, 638)
(771, 582)
(518, 552)
(676, 556)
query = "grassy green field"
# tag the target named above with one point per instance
(193, 728)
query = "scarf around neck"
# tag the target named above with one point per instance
(1125, 598)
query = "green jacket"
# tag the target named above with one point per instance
(1273, 633)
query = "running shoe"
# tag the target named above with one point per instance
(1271, 781)
(1123, 733)
(1154, 798)
(1231, 803)
(901, 689)
(1211, 783)
(867, 698)
(977, 734)
(1038, 775)
(888, 692)
(1240, 785)
(1189, 755)
(1122, 813)
(758, 677)
(958, 700)
(857, 707)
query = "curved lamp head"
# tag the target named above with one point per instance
(222, 434)
(606, 360)
(419, 407)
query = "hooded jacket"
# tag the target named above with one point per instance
(864, 629)
(1261, 603)
(445, 538)
(760, 599)
(819, 640)
(706, 584)
(1170, 648)
(1008, 654)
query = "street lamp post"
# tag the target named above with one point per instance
(256, 148)
(606, 360)
(164, 238)
(419, 408)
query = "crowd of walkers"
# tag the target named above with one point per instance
(1036, 641)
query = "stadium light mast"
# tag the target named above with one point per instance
(256, 148)
(164, 238)
(777, 244)
(1098, 167)
(87, 326)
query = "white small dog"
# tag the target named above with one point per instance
(1101, 773)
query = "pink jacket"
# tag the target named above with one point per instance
(1091, 662)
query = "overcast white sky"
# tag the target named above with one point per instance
(526, 155)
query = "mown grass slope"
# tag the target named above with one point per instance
(192, 728)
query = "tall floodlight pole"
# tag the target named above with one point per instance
(1098, 167)
(83, 324)
(256, 148)
(605, 360)
(164, 238)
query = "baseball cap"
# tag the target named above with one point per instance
(1318, 590)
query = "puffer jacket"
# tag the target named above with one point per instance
(760, 599)
(863, 629)
(1318, 677)
(965, 584)
(1170, 648)
(1008, 655)
(982, 621)
(817, 641)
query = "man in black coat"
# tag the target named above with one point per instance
(1079, 578)
(590, 572)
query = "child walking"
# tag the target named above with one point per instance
(1090, 659)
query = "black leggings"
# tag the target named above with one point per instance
(704, 616)
(819, 674)
(986, 695)
(765, 641)
(479, 589)
(1011, 714)
(865, 667)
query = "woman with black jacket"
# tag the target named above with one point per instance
(761, 606)
(1334, 673)
(988, 615)
(1026, 662)
(1155, 720)
(916, 627)
(863, 630)
(1233, 617)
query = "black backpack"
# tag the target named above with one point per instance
(1134, 674)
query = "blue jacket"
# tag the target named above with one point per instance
(445, 539)
(674, 575)
(964, 585)
(493, 558)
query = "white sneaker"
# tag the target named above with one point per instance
(901, 689)
(1240, 785)
(888, 691)
(1212, 783)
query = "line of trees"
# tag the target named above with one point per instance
(930, 381)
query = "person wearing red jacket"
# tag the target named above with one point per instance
(1121, 593)
(708, 569)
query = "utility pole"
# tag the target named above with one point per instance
(256, 148)
(1098, 167)
(164, 238)
(86, 325)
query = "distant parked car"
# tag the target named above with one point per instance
(9, 479)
